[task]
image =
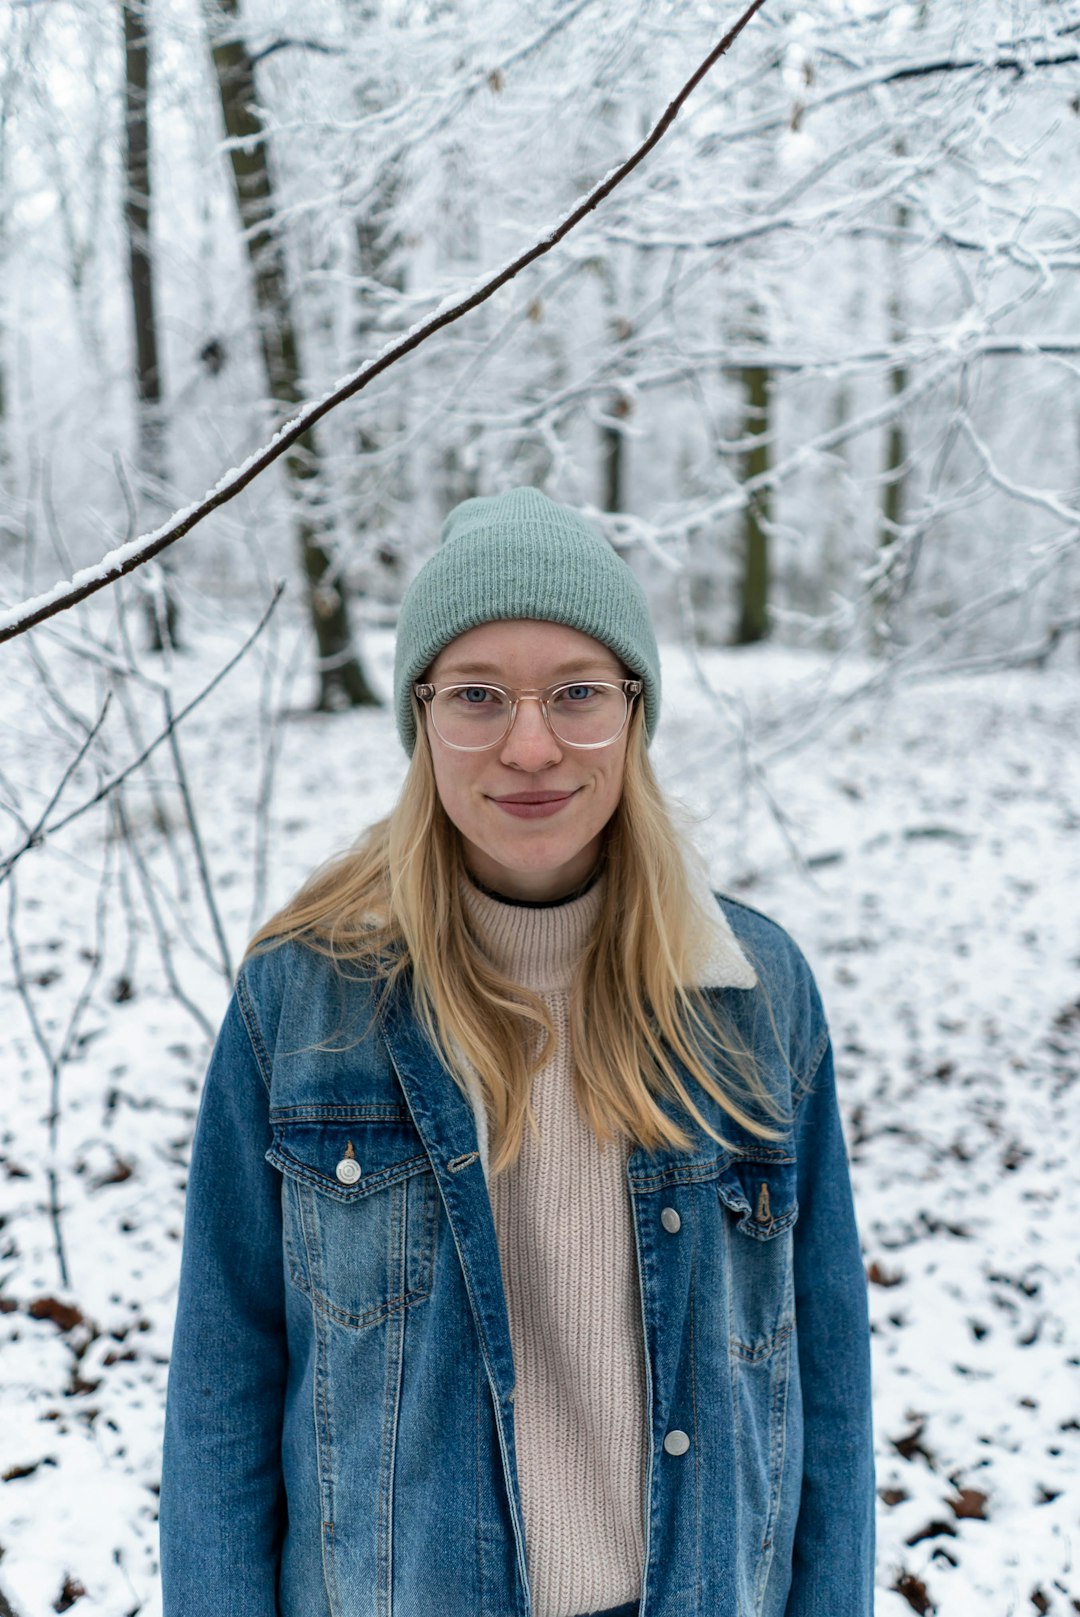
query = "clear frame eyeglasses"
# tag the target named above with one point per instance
(585, 713)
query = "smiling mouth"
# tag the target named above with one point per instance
(534, 805)
(534, 797)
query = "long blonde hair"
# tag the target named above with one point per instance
(393, 901)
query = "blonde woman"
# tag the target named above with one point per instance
(521, 1276)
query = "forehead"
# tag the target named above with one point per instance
(520, 650)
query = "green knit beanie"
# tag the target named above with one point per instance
(520, 555)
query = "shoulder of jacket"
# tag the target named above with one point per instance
(785, 978)
(287, 973)
(271, 966)
(760, 933)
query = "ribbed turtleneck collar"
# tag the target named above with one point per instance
(539, 947)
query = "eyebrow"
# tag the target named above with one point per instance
(577, 666)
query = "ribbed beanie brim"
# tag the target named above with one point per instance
(521, 555)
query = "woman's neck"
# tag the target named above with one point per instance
(538, 903)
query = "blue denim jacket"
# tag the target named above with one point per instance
(340, 1421)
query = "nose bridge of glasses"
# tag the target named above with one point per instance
(515, 714)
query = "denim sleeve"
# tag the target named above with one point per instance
(833, 1556)
(222, 1501)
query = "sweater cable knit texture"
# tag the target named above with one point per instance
(569, 1262)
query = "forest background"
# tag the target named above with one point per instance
(811, 366)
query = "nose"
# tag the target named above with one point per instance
(530, 744)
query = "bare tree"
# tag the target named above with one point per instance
(379, 484)
(151, 455)
(754, 578)
(342, 680)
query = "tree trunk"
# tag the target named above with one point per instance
(379, 495)
(12, 527)
(612, 438)
(342, 681)
(754, 584)
(151, 460)
(885, 592)
(612, 451)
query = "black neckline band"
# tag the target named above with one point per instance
(538, 903)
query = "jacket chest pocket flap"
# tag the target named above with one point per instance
(360, 1206)
(757, 1197)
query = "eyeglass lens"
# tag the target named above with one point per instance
(479, 715)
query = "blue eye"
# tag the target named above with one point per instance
(576, 694)
(475, 695)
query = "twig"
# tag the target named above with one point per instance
(270, 739)
(160, 930)
(296, 44)
(196, 839)
(38, 835)
(1031, 656)
(18, 619)
(52, 1062)
(751, 771)
(162, 817)
(872, 78)
(52, 523)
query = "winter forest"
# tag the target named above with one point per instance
(811, 363)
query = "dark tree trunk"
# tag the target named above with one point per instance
(612, 438)
(342, 680)
(162, 615)
(754, 584)
(612, 450)
(890, 583)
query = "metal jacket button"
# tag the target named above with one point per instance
(348, 1169)
(671, 1221)
(676, 1442)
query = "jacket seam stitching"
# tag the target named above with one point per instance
(254, 1032)
(807, 1085)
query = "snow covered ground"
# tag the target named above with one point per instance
(929, 865)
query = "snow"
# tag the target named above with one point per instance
(936, 900)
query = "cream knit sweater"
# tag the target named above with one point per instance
(569, 1264)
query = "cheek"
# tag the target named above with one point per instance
(445, 783)
(452, 779)
(609, 787)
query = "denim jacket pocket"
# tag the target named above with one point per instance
(757, 1195)
(360, 1206)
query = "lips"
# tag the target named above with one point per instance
(534, 797)
(534, 805)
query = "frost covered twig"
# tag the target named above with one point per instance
(37, 832)
(161, 931)
(890, 73)
(196, 838)
(1030, 656)
(56, 1060)
(41, 830)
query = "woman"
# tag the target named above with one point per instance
(520, 1273)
